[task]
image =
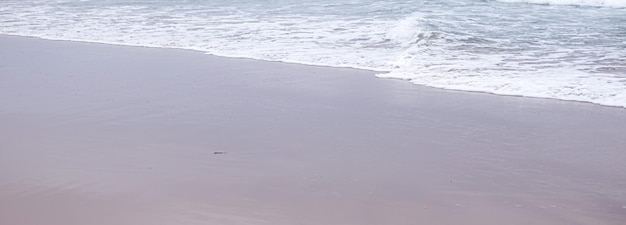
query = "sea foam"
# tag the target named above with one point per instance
(602, 3)
(561, 52)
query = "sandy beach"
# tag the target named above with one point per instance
(116, 135)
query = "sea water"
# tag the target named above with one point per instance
(561, 49)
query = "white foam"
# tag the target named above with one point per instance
(602, 3)
(405, 31)
(556, 84)
(434, 62)
(428, 46)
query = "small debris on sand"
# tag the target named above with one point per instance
(218, 153)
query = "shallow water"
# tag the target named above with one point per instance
(562, 49)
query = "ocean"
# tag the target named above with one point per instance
(559, 49)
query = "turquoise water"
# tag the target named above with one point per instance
(561, 49)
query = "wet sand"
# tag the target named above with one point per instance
(101, 134)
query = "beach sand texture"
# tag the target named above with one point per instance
(100, 134)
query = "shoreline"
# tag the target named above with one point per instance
(376, 73)
(197, 51)
(108, 134)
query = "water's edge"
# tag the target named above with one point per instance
(378, 73)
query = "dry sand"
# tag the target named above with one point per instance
(113, 135)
